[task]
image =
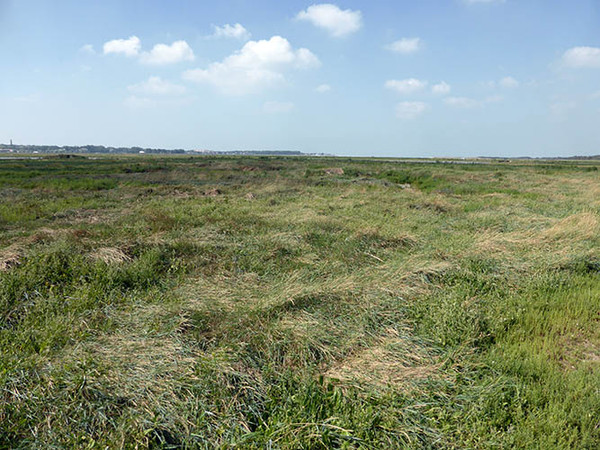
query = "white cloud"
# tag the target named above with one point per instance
(410, 110)
(128, 47)
(156, 86)
(331, 18)
(405, 46)
(441, 88)
(258, 64)
(595, 95)
(408, 86)
(278, 107)
(508, 82)
(88, 49)
(582, 57)
(322, 88)
(462, 102)
(236, 31)
(162, 54)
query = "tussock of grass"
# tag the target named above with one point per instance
(110, 255)
(10, 257)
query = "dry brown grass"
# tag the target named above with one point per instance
(576, 227)
(10, 257)
(110, 255)
(392, 361)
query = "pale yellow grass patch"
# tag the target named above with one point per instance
(110, 255)
(575, 227)
(10, 257)
(392, 361)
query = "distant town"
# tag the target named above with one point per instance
(12, 148)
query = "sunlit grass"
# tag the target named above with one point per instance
(268, 303)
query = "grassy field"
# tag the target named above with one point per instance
(264, 302)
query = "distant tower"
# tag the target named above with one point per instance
(11, 142)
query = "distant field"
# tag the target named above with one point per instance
(275, 302)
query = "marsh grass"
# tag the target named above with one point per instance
(385, 305)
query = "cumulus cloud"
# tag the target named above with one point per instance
(408, 86)
(322, 88)
(405, 46)
(236, 31)
(441, 88)
(258, 64)
(331, 18)
(582, 57)
(128, 47)
(278, 107)
(410, 110)
(156, 86)
(508, 82)
(162, 54)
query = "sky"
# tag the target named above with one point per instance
(403, 78)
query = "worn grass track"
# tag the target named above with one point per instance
(267, 302)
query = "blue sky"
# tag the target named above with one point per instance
(381, 78)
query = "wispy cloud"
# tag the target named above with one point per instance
(508, 82)
(582, 57)
(236, 31)
(405, 46)
(87, 49)
(442, 88)
(407, 86)
(470, 103)
(157, 86)
(136, 102)
(274, 107)
(410, 110)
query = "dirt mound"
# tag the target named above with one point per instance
(334, 171)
